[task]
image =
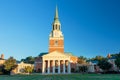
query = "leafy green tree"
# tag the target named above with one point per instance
(82, 59)
(117, 61)
(29, 59)
(99, 58)
(116, 54)
(28, 69)
(9, 64)
(104, 65)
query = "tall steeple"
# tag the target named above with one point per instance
(56, 23)
(56, 14)
(56, 38)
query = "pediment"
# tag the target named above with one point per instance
(55, 53)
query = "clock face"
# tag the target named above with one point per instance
(56, 43)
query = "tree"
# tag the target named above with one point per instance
(117, 61)
(28, 69)
(105, 65)
(81, 59)
(99, 58)
(29, 59)
(9, 64)
(116, 54)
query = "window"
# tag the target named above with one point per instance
(53, 27)
(56, 26)
(59, 27)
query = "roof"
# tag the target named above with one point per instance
(94, 61)
(18, 62)
(38, 59)
(2, 59)
(70, 54)
(56, 55)
(66, 53)
(43, 53)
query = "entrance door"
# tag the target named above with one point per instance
(56, 70)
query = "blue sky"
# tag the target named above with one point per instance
(90, 27)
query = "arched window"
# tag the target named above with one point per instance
(56, 26)
(59, 27)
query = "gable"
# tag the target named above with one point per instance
(56, 55)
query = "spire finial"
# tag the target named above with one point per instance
(56, 18)
(56, 13)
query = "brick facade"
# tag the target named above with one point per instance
(38, 64)
(56, 45)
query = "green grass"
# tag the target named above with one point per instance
(62, 77)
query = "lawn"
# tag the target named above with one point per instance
(62, 77)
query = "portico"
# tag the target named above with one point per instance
(56, 63)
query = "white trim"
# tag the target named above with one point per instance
(58, 38)
(56, 47)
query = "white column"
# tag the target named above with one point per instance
(18, 69)
(63, 66)
(69, 67)
(58, 66)
(93, 70)
(43, 66)
(48, 68)
(53, 65)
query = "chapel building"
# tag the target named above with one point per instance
(56, 61)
